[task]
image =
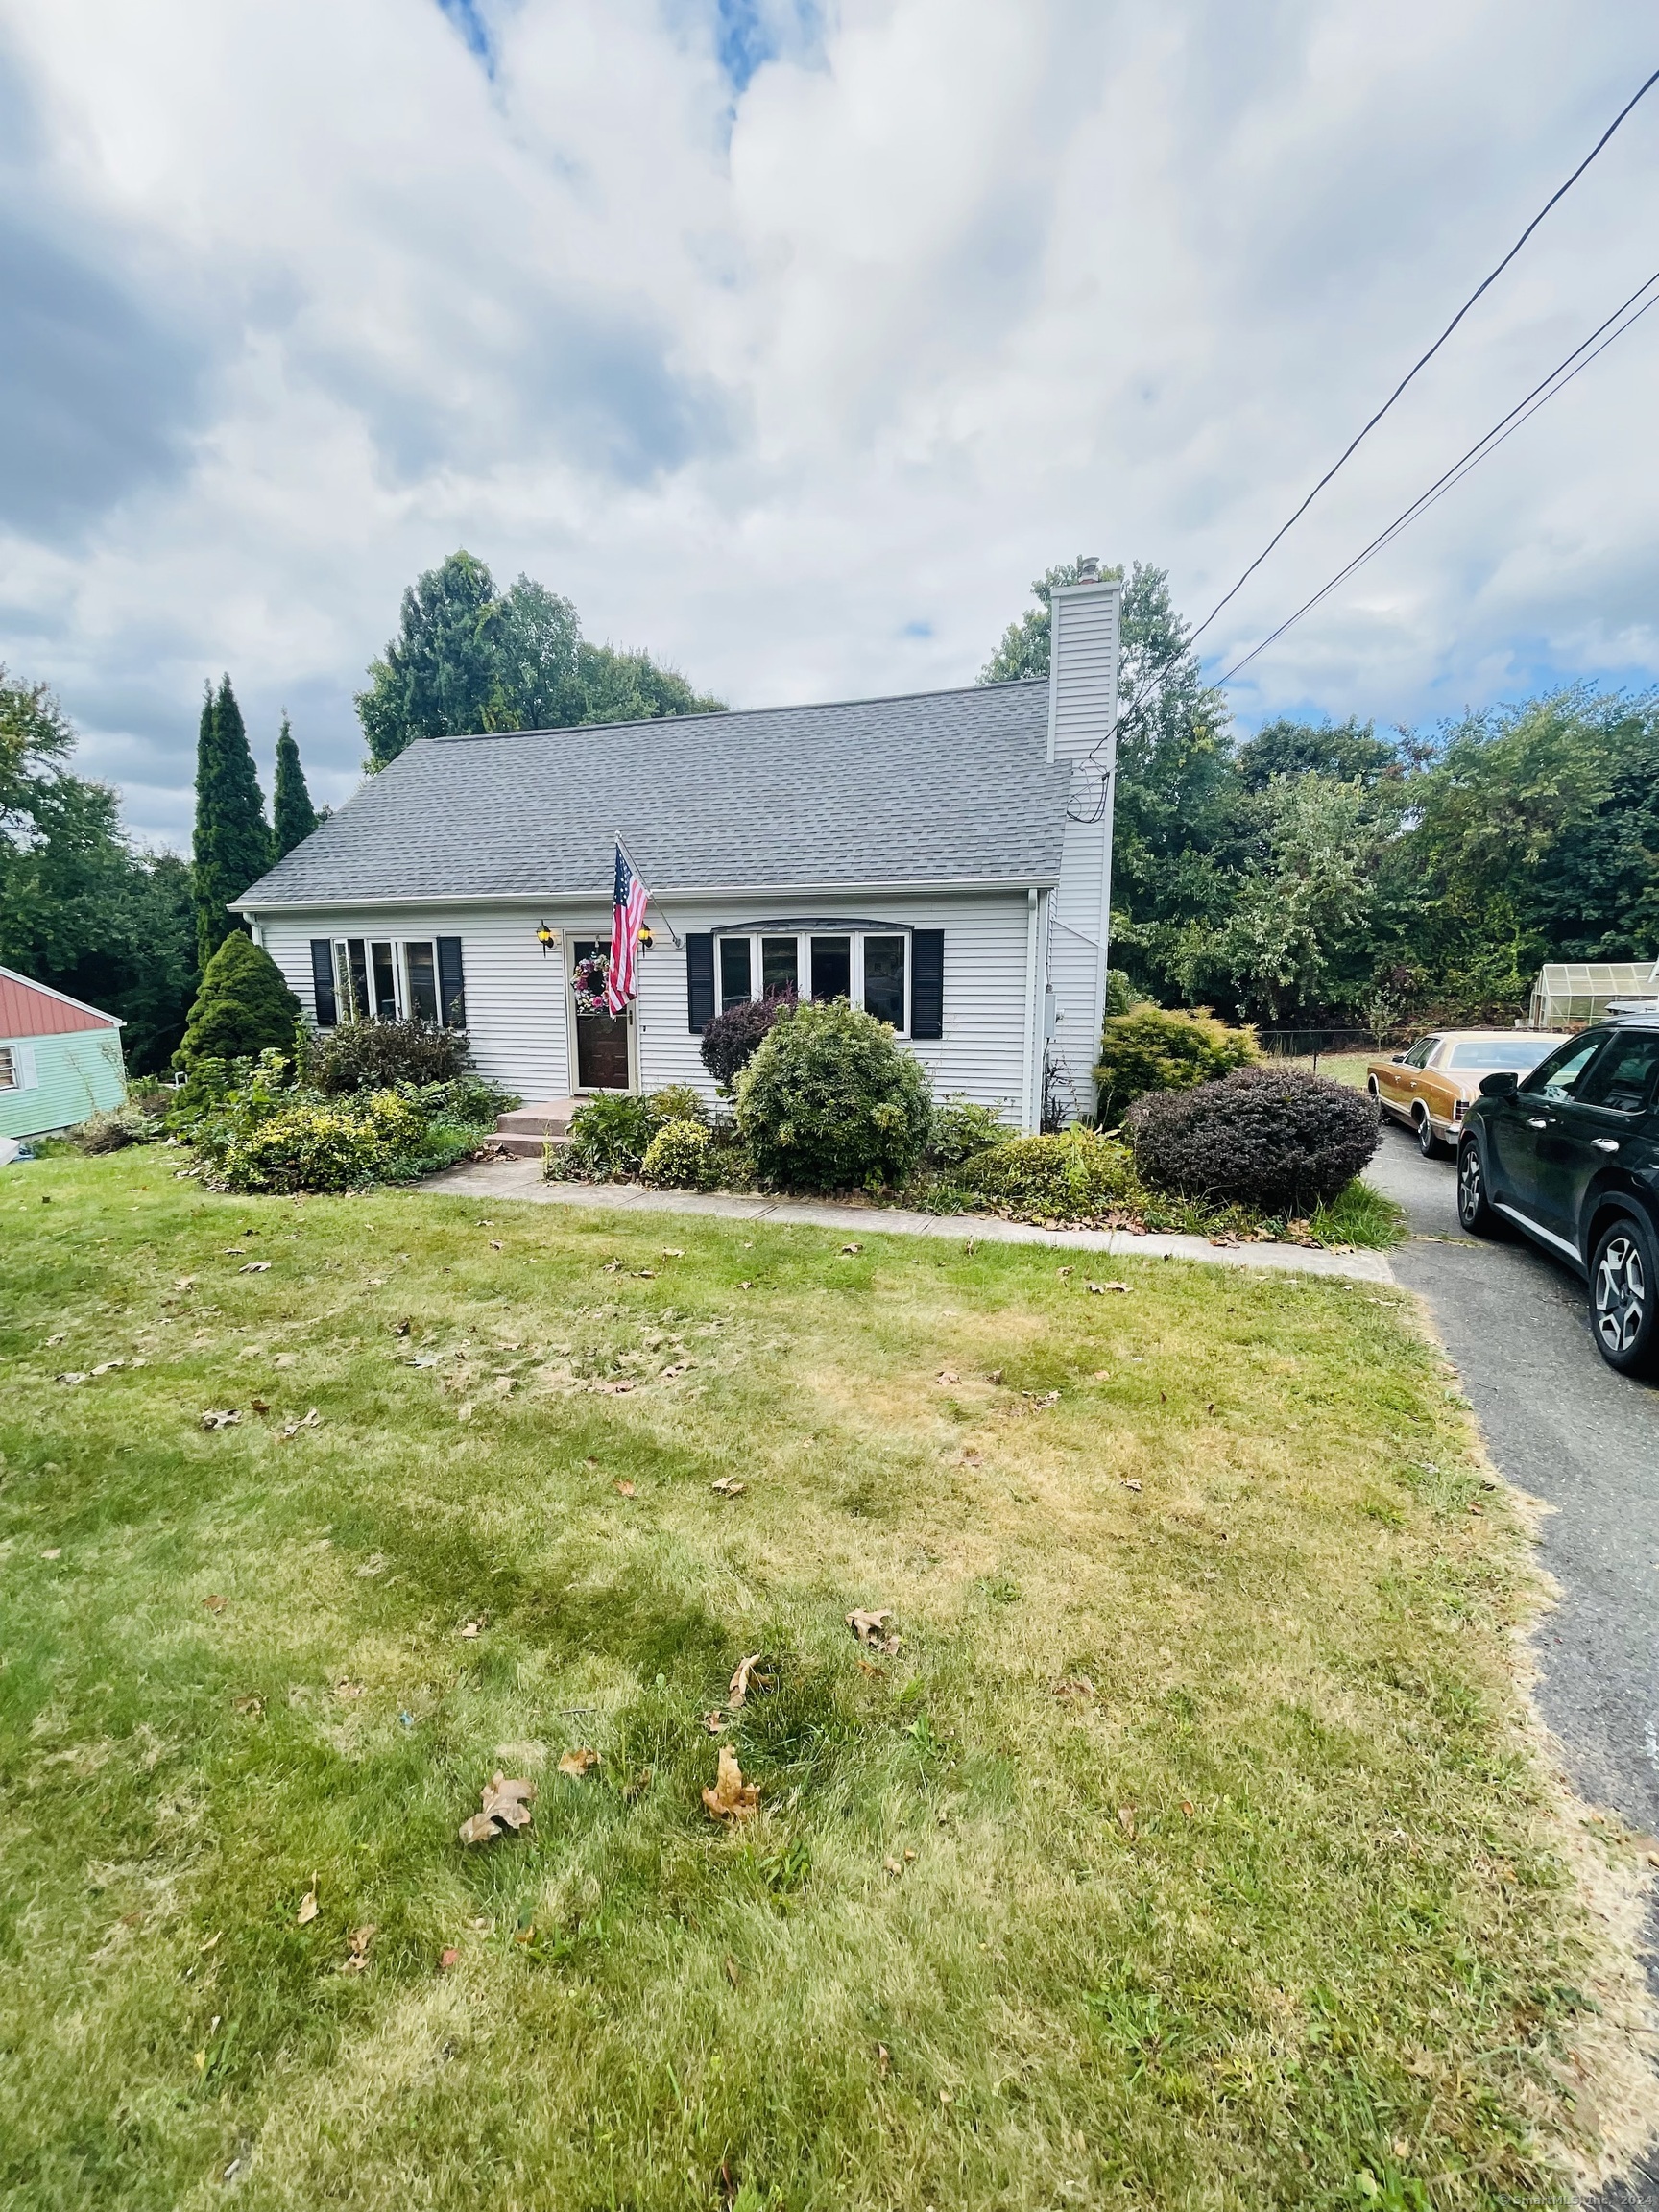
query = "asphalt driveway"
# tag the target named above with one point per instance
(1561, 1424)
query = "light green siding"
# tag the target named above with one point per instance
(74, 1076)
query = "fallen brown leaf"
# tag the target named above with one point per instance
(55, 1552)
(448, 1959)
(672, 1252)
(883, 2061)
(1126, 1820)
(505, 1805)
(891, 1867)
(733, 1971)
(1063, 1273)
(868, 1628)
(740, 1689)
(1130, 1483)
(469, 1628)
(307, 1904)
(729, 1486)
(359, 1941)
(108, 1367)
(221, 1420)
(577, 1763)
(949, 1375)
(1074, 1686)
(255, 1267)
(495, 1244)
(732, 1799)
(252, 1705)
(1185, 1807)
(718, 1722)
(259, 1405)
(624, 1489)
(852, 1247)
(215, 1603)
(184, 1283)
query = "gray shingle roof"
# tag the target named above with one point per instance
(943, 786)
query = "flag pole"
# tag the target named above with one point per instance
(651, 896)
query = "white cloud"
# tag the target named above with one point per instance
(797, 369)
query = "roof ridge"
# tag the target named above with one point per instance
(728, 713)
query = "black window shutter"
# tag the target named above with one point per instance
(451, 984)
(699, 980)
(323, 981)
(926, 982)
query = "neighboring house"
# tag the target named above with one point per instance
(60, 1061)
(1584, 990)
(941, 860)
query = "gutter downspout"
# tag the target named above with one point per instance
(1030, 1121)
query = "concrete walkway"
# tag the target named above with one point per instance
(501, 1180)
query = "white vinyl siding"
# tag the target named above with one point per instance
(1083, 704)
(516, 997)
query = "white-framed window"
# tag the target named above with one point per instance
(10, 1074)
(387, 979)
(869, 966)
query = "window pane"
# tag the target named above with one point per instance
(352, 979)
(423, 981)
(778, 964)
(831, 968)
(8, 1068)
(734, 971)
(385, 984)
(1623, 1078)
(1559, 1073)
(1519, 1053)
(884, 979)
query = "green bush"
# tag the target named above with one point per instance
(242, 1009)
(308, 1147)
(1157, 1048)
(261, 1132)
(960, 1130)
(1070, 1177)
(611, 1132)
(681, 1156)
(1271, 1139)
(831, 1100)
(378, 1055)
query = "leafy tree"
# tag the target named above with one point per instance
(1350, 751)
(292, 813)
(243, 1008)
(80, 910)
(467, 659)
(232, 844)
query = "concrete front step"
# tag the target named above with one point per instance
(523, 1133)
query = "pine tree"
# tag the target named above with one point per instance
(243, 1006)
(232, 844)
(292, 810)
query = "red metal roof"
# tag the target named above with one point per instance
(31, 1009)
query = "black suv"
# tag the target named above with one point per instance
(1570, 1155)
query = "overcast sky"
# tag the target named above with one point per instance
(792, 339)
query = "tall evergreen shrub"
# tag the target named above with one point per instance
(292, 811)
(242, 1009)
(232, 843)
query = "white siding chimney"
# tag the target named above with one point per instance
(1082, 728)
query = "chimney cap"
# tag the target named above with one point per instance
(1088, 569)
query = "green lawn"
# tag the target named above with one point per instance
(1187, 1853)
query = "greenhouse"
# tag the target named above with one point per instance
(1584, 990)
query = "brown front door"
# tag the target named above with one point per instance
(601, 1039)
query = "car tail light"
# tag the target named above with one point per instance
(1458, 1106)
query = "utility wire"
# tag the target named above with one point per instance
(1506, 426)
(1422, 363)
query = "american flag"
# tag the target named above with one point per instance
(627, 917)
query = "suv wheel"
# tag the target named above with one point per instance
(1474, 1206)
(1427, 1144)
(1625, 1297)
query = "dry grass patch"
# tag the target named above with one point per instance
(1190, 1851)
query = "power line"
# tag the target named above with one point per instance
(1423, 362)
(1557, 380)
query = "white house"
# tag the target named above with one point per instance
(942, 860)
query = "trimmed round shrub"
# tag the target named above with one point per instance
(732, 1040)
(1070, 1177)
(374, 1055)
(1271, 1139)
(681, 1156)
(1158, 1048)
(829, 1100)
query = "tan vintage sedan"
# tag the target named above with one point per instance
(1429, 1088)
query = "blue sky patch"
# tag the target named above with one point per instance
(468, 19)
